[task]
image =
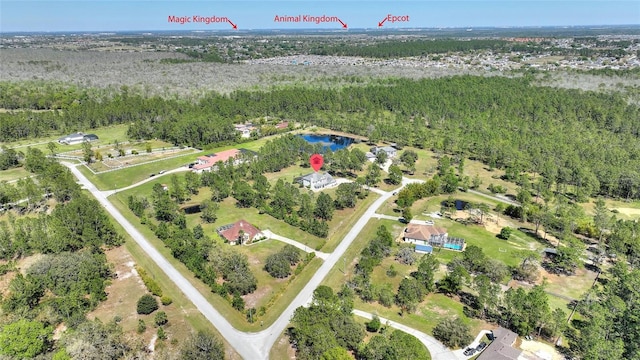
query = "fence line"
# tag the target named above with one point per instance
(144, 163)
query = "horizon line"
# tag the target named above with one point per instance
(592, 26)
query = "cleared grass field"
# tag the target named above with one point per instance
(131, 175)
(116, 163)
(14, 174)
(106, 135)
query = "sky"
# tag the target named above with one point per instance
(117, 15)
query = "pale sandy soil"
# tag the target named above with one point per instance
(534, 350)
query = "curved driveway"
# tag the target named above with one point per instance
(436, 348)
(251, 346)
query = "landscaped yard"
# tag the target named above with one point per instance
(430, 311)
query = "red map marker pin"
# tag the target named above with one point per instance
(316, 161)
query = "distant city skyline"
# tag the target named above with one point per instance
(108, 16)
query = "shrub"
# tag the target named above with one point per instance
(161, 334)
(453, 333)
(505, 233)
(374, 324)
(251, 315)
(151, 284)
(496, 189)
(161, 318)
(166, 300)
(142, 327)
(237, 302)
(147, 304)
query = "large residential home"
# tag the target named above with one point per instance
(77, 138)
(208, 162)
(426, 237)
(240, 232)
(502, 346)
(245, 129)
(391, 151)
(317, 181)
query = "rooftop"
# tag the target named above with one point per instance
(423, 232)
(502, 346)
(231, 232)
(212, 159)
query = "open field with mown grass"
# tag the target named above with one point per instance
(131, 175)
(128, 176)
(142, 158)
(106, 135)
(14, 174)
(625, 210)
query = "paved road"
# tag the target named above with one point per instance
(436, 348)
(300, 246)
(304, 297)
(251, 346)
(236, 339)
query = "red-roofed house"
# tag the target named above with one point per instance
(240, 232)
(282, 125)
(207, 162)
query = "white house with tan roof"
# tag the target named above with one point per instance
(428, 236)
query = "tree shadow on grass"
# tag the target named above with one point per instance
(532, 234)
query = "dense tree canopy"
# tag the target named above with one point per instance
(503, 122)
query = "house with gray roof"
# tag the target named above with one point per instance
(501, 348)
(316, 180)
(390, 150)
(77, 138)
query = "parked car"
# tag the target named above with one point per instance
(152, 175)
(490, 336)
(470, 351)
(161, 172)
(481, 346)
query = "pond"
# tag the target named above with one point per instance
(333, 142)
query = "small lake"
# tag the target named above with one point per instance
(333, 142)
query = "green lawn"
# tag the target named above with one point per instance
(128, 176)
(14, 174)
(493, 247)
(434, 308)
(337, 276)
(271, 291)
(106, 135)
(343, 221)
(427, 166)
